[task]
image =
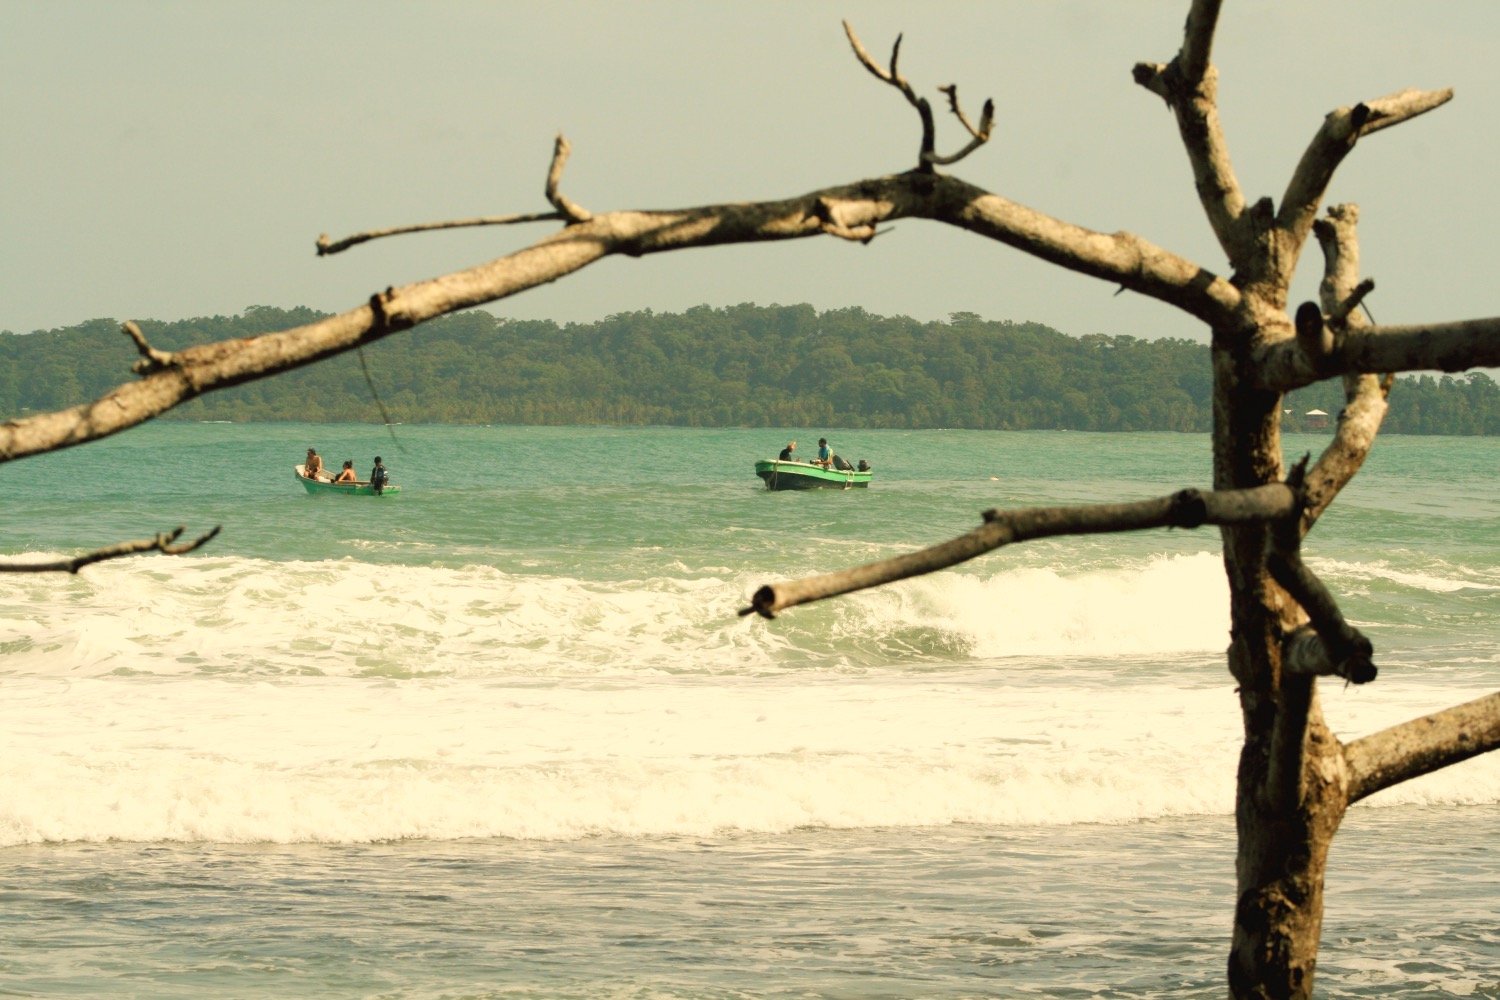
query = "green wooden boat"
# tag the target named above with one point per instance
(787, 475)
(356, 489)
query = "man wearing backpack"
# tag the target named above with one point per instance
(378, 477)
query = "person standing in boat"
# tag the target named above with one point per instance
(825, 454)
(314, 464)
(346, 475)
(378, 476)
(786, 453)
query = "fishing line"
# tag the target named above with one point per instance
(376, 393)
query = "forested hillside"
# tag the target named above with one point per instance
(784, 366)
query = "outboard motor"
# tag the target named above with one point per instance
(864, 466)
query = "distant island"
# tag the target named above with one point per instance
(738, 366)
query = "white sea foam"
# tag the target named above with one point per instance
(230, 699)
(353, 760)
(326, 759)
(260, 618)
(1172, 604)
(255, 617)
(1436, 577)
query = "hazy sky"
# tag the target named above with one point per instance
(170, 159)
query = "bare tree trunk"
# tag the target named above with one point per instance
(1293, 782)
(1282, 839)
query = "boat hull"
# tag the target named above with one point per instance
(318, 487)
(780, 475)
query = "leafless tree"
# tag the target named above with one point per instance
(1295, 779)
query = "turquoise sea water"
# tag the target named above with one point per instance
(505, 734)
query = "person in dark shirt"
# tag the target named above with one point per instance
(378, 476)
(786, 453)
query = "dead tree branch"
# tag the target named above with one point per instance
(1328, 645)
(566, 211)
(1377, 350)
(1358, 423)
(1341, 129)
(893, 77)
(1186, 509)
(327, 247)
(163, 543)
(1196, 55)
(1120, 258)
(1340, 292)
(927, 157)
(1448, 347)
(1346, 651)
(1189, 85)
(1421, 746)
(151, 359)
(561, 149)
(1341, 343)
(977, 136)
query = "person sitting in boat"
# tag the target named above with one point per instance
(825, 454)
(786, 453)
(346, 474)
(314, 465)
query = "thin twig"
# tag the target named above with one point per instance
(979, 136)
(325, 247)
(162, 543)
(893, 77)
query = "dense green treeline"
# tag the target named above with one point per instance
(784, 366)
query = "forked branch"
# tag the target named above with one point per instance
(977, 136)
(1189, 85)
(928, 157)
(566, 211)
(1341, 129)
(164, 543)
(1186, 509)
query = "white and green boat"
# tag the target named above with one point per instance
(783, 474)
(354, 489)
